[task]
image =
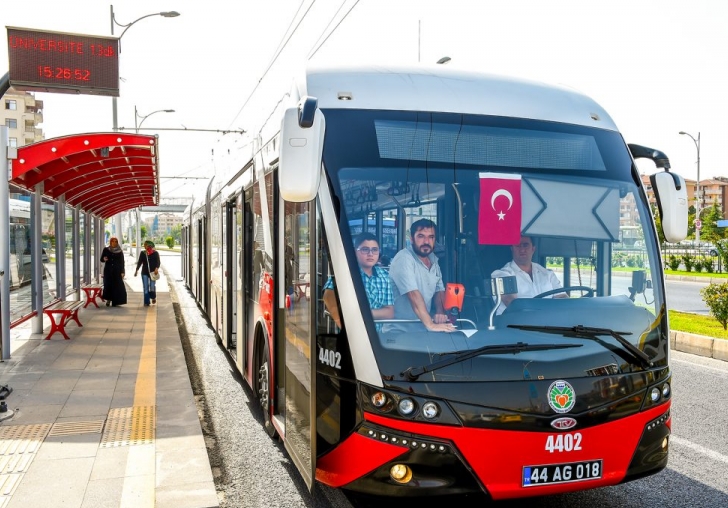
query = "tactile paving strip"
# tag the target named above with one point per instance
(72, 428)
(128, 426)
(18, 446)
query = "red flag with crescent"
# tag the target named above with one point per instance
(499, 216)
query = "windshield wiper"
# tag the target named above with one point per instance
(412, 373)
(588, 332)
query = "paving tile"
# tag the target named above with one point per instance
(176, 467)
(110, 463)
(50, 484)
(27, 414)
(88, 402)
(189, 495)
(69, 447)
(103, 493)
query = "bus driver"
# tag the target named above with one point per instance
(532, 278)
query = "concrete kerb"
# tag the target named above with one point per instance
(699, 345)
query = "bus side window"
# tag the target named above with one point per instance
(332, 314)
(329, 316)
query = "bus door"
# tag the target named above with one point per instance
(296, 338)
(249, 281)
(230, 281)
(199, 250)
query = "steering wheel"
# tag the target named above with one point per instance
(584, 289)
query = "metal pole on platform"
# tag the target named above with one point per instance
(88, 273)
(4, 244)
(36, 256)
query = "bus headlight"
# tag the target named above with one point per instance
(430, 410)
(406, 407)
(655, 394)
(666, 390)
(379, 399)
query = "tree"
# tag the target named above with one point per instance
(710, 231)
(691, 222)
(658, 224)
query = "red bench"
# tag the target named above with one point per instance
(93, 291)
(65, 312)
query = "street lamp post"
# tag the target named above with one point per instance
(144, 117)
(114, 110)
(698, 199)
(127, 26)
(136, 128)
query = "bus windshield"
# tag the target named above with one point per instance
(492, 189)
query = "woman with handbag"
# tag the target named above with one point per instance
(150, 263)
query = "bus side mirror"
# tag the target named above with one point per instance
(302, 142)
(672, 204)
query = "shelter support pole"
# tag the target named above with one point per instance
(36, 256)
(88, 275)
(61, 247)
(100, 241)
(118, 232)
(76, 249)
(138, 233)
(4, 245)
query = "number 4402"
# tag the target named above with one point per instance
(330, 358)
(563, 442)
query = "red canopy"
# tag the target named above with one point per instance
(104, 173)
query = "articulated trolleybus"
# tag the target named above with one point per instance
(548, 396)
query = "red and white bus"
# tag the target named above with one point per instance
(552, 395)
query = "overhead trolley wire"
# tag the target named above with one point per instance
(332, 31)
(275, 57)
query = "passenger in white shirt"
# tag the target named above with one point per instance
(532, 278)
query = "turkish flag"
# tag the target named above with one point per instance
(499, 216)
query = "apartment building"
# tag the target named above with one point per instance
(163, 223)
(22, 114)
(712, 190)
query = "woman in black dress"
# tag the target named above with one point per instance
(114, 290)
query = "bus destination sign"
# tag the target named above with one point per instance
(44, 61)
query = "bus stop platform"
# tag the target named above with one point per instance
(107, 418)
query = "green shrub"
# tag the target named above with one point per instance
(688, 260)
(698, 264)
(716, 298)
(169, 241)
(673, 262)
(708, 265)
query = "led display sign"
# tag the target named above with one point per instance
(44, 61)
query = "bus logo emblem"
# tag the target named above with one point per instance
(561, 396)
(563, 423)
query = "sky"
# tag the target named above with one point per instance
(657, 67)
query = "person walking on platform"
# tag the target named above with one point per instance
(149, 263)
(114, 290)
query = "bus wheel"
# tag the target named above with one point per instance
(263, 390)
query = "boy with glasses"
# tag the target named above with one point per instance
(376, 281)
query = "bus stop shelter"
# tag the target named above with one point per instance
(75, 182)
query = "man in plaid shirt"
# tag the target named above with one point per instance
(376, 282)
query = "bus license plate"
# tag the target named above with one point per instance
(562, 473)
